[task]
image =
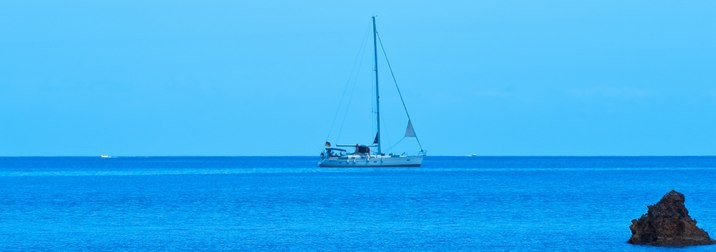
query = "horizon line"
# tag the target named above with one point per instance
(240, 156)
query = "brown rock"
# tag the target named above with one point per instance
(668, 224)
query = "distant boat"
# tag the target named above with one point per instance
(105, 156)
(472, 155)
(362, 156)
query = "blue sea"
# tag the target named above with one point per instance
(288, 203)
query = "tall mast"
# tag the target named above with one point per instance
(377, 93)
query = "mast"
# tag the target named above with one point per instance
(377, 93)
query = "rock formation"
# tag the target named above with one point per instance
(668, 224)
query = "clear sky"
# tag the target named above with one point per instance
(220, 77)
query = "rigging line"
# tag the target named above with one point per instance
(347, 86)
(355, 82)
(396, 144)
(351, 77)
(396, 85)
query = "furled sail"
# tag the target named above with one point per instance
(376, 140)
(409, 131)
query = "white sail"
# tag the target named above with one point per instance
(409, 131)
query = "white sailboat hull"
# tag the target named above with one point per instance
(380, 161)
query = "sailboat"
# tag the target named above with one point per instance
(362, 156)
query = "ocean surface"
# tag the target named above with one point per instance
(287, 203)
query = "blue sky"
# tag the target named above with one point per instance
(264, 77)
